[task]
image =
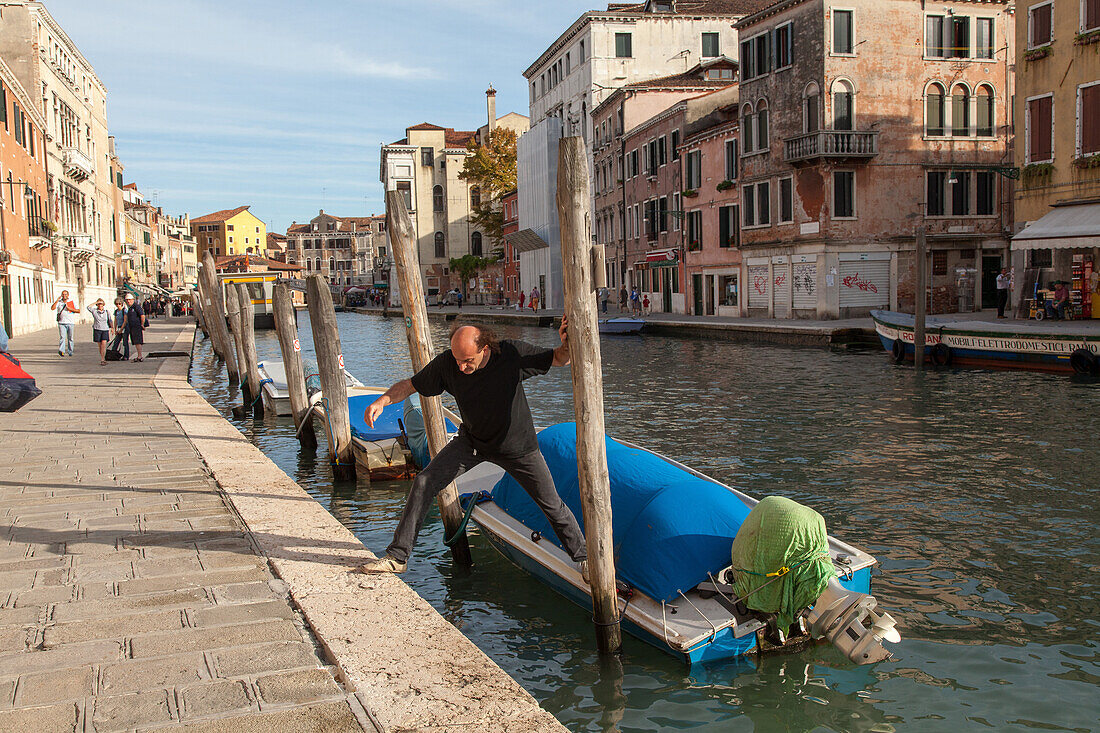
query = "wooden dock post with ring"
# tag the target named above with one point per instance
(213, 307)
(286, 328)
(405, 257)
(247, 323)
(584, 352)
(330, 367)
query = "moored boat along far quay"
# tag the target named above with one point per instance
(974, 490)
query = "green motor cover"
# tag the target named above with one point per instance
(781, 533)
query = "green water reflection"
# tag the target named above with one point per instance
(975, 490)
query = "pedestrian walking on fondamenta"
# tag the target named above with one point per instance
(66, 323)
(136, 324)
(102, 325)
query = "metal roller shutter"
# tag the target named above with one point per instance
(782, 281)
(864, 283)
(758, 286)
(804, 282)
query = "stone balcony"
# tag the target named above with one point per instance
(77, 164)
(851, 144)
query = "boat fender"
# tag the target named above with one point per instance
(897, 350)
(1084, 361)
(941, 355)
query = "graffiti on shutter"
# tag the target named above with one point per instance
(864, 283)
(804, 282)
(782, 280)
(758, 286)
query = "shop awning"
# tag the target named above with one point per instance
(1068, 226)
(663, 255)
(525, 240)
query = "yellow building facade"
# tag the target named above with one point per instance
(229, 232)
(1057, 122)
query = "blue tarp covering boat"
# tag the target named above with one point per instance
(386, 427)
(670, 527)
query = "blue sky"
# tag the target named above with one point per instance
(283, 105)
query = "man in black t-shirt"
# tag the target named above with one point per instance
(486, 379)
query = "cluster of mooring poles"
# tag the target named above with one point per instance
(234, 341)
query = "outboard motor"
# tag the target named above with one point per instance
(848, 620)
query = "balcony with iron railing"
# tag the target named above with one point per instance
(40, 232)
(852, 144)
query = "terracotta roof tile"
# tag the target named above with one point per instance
(697, 7)
(222, 215)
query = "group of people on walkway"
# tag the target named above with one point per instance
(115, 330)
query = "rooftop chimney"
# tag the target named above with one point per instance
(491, 108)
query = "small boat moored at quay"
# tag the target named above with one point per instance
(274, 388)
(673, 532)
(621, 325)
(1054, 346)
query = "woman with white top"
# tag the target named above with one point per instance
(102, 325)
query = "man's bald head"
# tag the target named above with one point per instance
(471, 347)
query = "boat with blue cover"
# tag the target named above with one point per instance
(620, 326)
(1053, 346)
(673, 528)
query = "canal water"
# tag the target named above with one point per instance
(977, 491)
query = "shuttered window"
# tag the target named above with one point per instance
(1040, 130)
(985, 187)
(729, 234)
(1089, 119)
(1038, 25)
(1092, 14)
(842, 31)
(4, 106)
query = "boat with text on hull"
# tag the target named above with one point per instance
(1054, 346)
(673, 532)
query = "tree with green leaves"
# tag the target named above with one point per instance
(492, 168)
(468, 267)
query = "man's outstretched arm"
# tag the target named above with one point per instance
(391, 396)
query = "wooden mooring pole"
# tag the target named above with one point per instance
(251, 367)
(213, 307)
(330, 366)
(196, 306)
(584, 353)
(407, 261)
(233, 316)
(919, 302)
(286, 328)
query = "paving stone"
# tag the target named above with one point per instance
(123, 712)
(26, 616)
(111, 628)
(129, 605)
(178, 670)
(196, 579)
(242, 613)
(42, 596)
(214, 699)
(66, 684)
(305, 685)
(237, 661)
(20, 579)
(14, 640)
(155, 645)
(172, 566)
(67, 656)
(53, 718)
(243, 592)
(223, 559)
(327, 717)
(7, 691)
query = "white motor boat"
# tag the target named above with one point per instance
(273, 386)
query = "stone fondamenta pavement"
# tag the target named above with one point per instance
(131, 594)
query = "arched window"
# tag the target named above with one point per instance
(309, 264)
(761, 125)
(984, 111)
(475, 244)
(475, 197)
(811, 103)
(317, 264)
(437, 198)
(960, 111)
(934, 114)
(747, 136)
(440, 248)
(331, 265)
(843, 105)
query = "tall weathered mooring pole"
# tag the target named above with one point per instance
(330, 365)
(213, 308)
(196, 305)
(919, 304)
(287, 330)
(248, 345)
(407, 262)
(233, 317)
(584, 351)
